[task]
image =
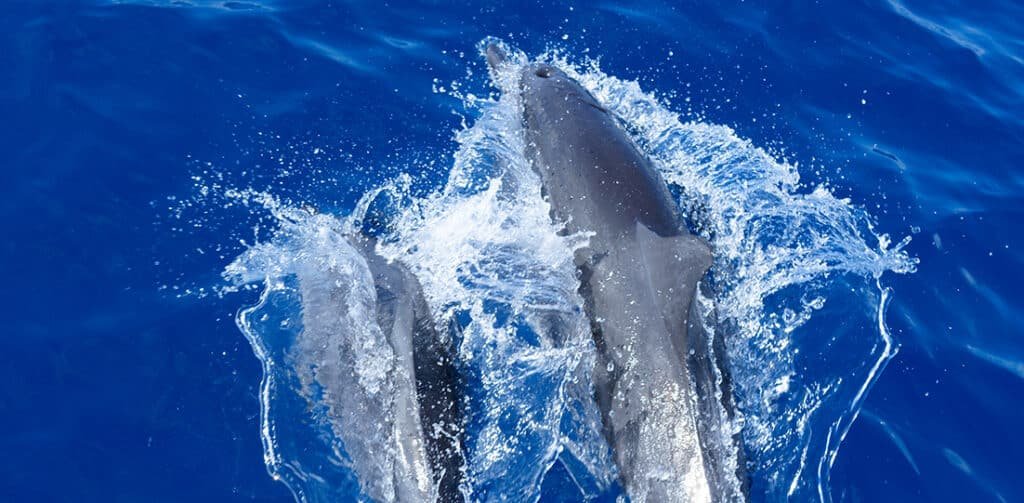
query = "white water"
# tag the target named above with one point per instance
(487, 255)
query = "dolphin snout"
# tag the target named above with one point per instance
(495, 55)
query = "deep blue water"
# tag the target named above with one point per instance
(119, 385)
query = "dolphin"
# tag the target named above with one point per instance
(639, 277)
(428, 419)
(385, 372)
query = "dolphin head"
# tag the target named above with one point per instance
(549, 94)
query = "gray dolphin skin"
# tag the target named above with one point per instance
(639, 276)
(427, 412)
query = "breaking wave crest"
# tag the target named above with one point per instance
(797, 280)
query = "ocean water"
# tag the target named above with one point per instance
(179, 172)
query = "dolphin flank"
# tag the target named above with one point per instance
(639, 276)
(427, 410)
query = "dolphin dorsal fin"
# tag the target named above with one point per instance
(674, 264)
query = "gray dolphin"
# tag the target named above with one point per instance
(654, 380)
(369, 352)
(430, 410)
